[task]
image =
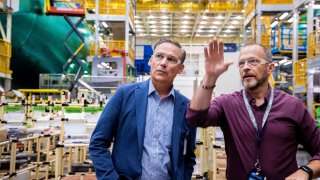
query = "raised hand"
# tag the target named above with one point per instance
(214, 58)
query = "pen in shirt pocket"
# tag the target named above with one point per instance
(185, 141)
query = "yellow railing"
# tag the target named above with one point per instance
(5, 55)
(131, 14)
(315, 106)
(113, 7)
(277, 2)
(271, 81)
(314, 44)
(300, 72)
(56, 94)
(110, 45)
(131, 53)
(249, 8)
(190, 7)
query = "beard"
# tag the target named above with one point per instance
(256, 83)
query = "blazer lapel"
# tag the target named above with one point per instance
(178, 118)
(141, 98)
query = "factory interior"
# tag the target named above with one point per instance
(62, 60)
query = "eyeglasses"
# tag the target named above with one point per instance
(171, 59)
(251, 61)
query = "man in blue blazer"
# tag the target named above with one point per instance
(145, 122)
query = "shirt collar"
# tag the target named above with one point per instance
(252, 101)
(152, 89)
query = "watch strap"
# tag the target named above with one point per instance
(307, 170)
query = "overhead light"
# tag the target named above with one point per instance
(184, 30)
(203, 22)
(151, 17)
(287, 63)
(184, 26)
(243, 10)
(220, 17)
(164, 17)
(235, 22)
(186, 17)
(205, 17)
(228, 31)
(284, 15)
(206, 11)
(104, 24)
(274, 23)
(185, 22)
(283, 61)
(187, 11)
(238, 17)
(217, 22)
(166, 34)
(139, 30)
(211, 31)
(241, 35)
(214, 27)
(154, 30)
(165, 30)
(290, 20)
(165, 22)
(200, 30)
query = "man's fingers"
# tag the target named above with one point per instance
(205, 50)
(215, 46)
(211, 47)
(221, 47)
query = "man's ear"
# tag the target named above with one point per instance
(149, 62)
(181, 68)
(271, 68)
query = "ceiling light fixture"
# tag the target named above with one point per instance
(220, 17)
(205, 17)
(284, 15)
(274, 23)
(151, 17)
(104, 24)
(290, 20)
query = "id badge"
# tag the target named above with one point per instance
(254, 175)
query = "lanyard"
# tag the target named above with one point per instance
(254, 121)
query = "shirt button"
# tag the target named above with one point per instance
(154, 155)
(155, 139)
(157, 122)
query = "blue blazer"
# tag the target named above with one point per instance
(123, 123)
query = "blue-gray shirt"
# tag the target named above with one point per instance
(156, 163)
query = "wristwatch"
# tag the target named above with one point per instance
(307, 170)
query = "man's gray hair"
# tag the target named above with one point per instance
(266, 52)
(164, 40)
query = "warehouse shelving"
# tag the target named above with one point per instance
(5, 47)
